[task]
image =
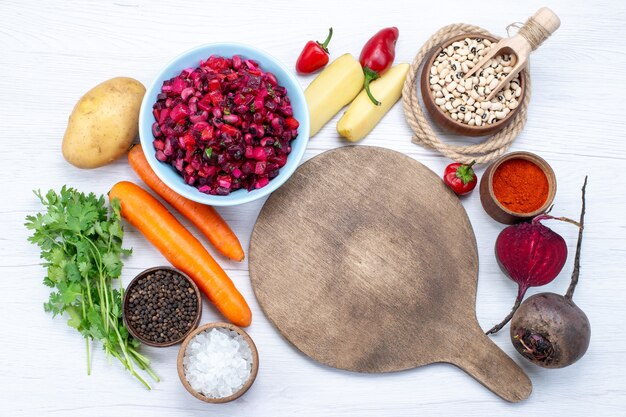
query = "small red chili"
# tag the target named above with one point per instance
(460, 177)
(377, 56)
(314, 55)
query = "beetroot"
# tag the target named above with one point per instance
(225, 125)
(549, 329)
(532, 255)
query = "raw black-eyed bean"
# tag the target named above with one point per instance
(459, 97)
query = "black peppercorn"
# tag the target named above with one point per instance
(162, 306)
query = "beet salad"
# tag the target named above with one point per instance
(225, 125)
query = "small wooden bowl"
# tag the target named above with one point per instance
(137, 335)
(442, 118)
(253, 371)
(491, 204)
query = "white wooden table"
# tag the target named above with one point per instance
(52, 52)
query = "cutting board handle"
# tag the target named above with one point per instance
(493, 368)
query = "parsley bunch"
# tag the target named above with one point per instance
(81, 244)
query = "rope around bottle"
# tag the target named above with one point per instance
(488, 150)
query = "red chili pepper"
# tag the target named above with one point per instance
(377, 56)
(314, 55)
(460, 178)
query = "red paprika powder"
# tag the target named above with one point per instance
(520, 185)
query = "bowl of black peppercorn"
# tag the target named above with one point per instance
(162, 305)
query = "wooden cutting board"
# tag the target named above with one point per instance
(365, 261)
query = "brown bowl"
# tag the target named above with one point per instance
(442, 118)
(138, 335)
(491, 204)
(253, 372)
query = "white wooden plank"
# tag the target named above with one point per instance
(52, 52)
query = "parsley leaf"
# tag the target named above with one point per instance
(81, 244)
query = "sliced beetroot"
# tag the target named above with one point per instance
(531, 255)
(224, 125)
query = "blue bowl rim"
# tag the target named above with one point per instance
(244, 196)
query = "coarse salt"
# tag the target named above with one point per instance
(217, 362)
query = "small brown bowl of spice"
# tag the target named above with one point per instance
(460, 105)
(218, 362)
(162, 305)
(517, 187)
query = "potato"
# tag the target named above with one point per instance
(104, 123)
(337, 85)
(363, 115)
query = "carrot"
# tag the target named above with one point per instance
(204, 217)
(182, 249)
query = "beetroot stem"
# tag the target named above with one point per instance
(518, 301)
(576, 272)
(546, 216)
(568, 220)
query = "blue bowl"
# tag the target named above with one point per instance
(192, 58)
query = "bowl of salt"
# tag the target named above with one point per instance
(217, 362)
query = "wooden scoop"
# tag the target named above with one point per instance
(536, 29)
(366, 261)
